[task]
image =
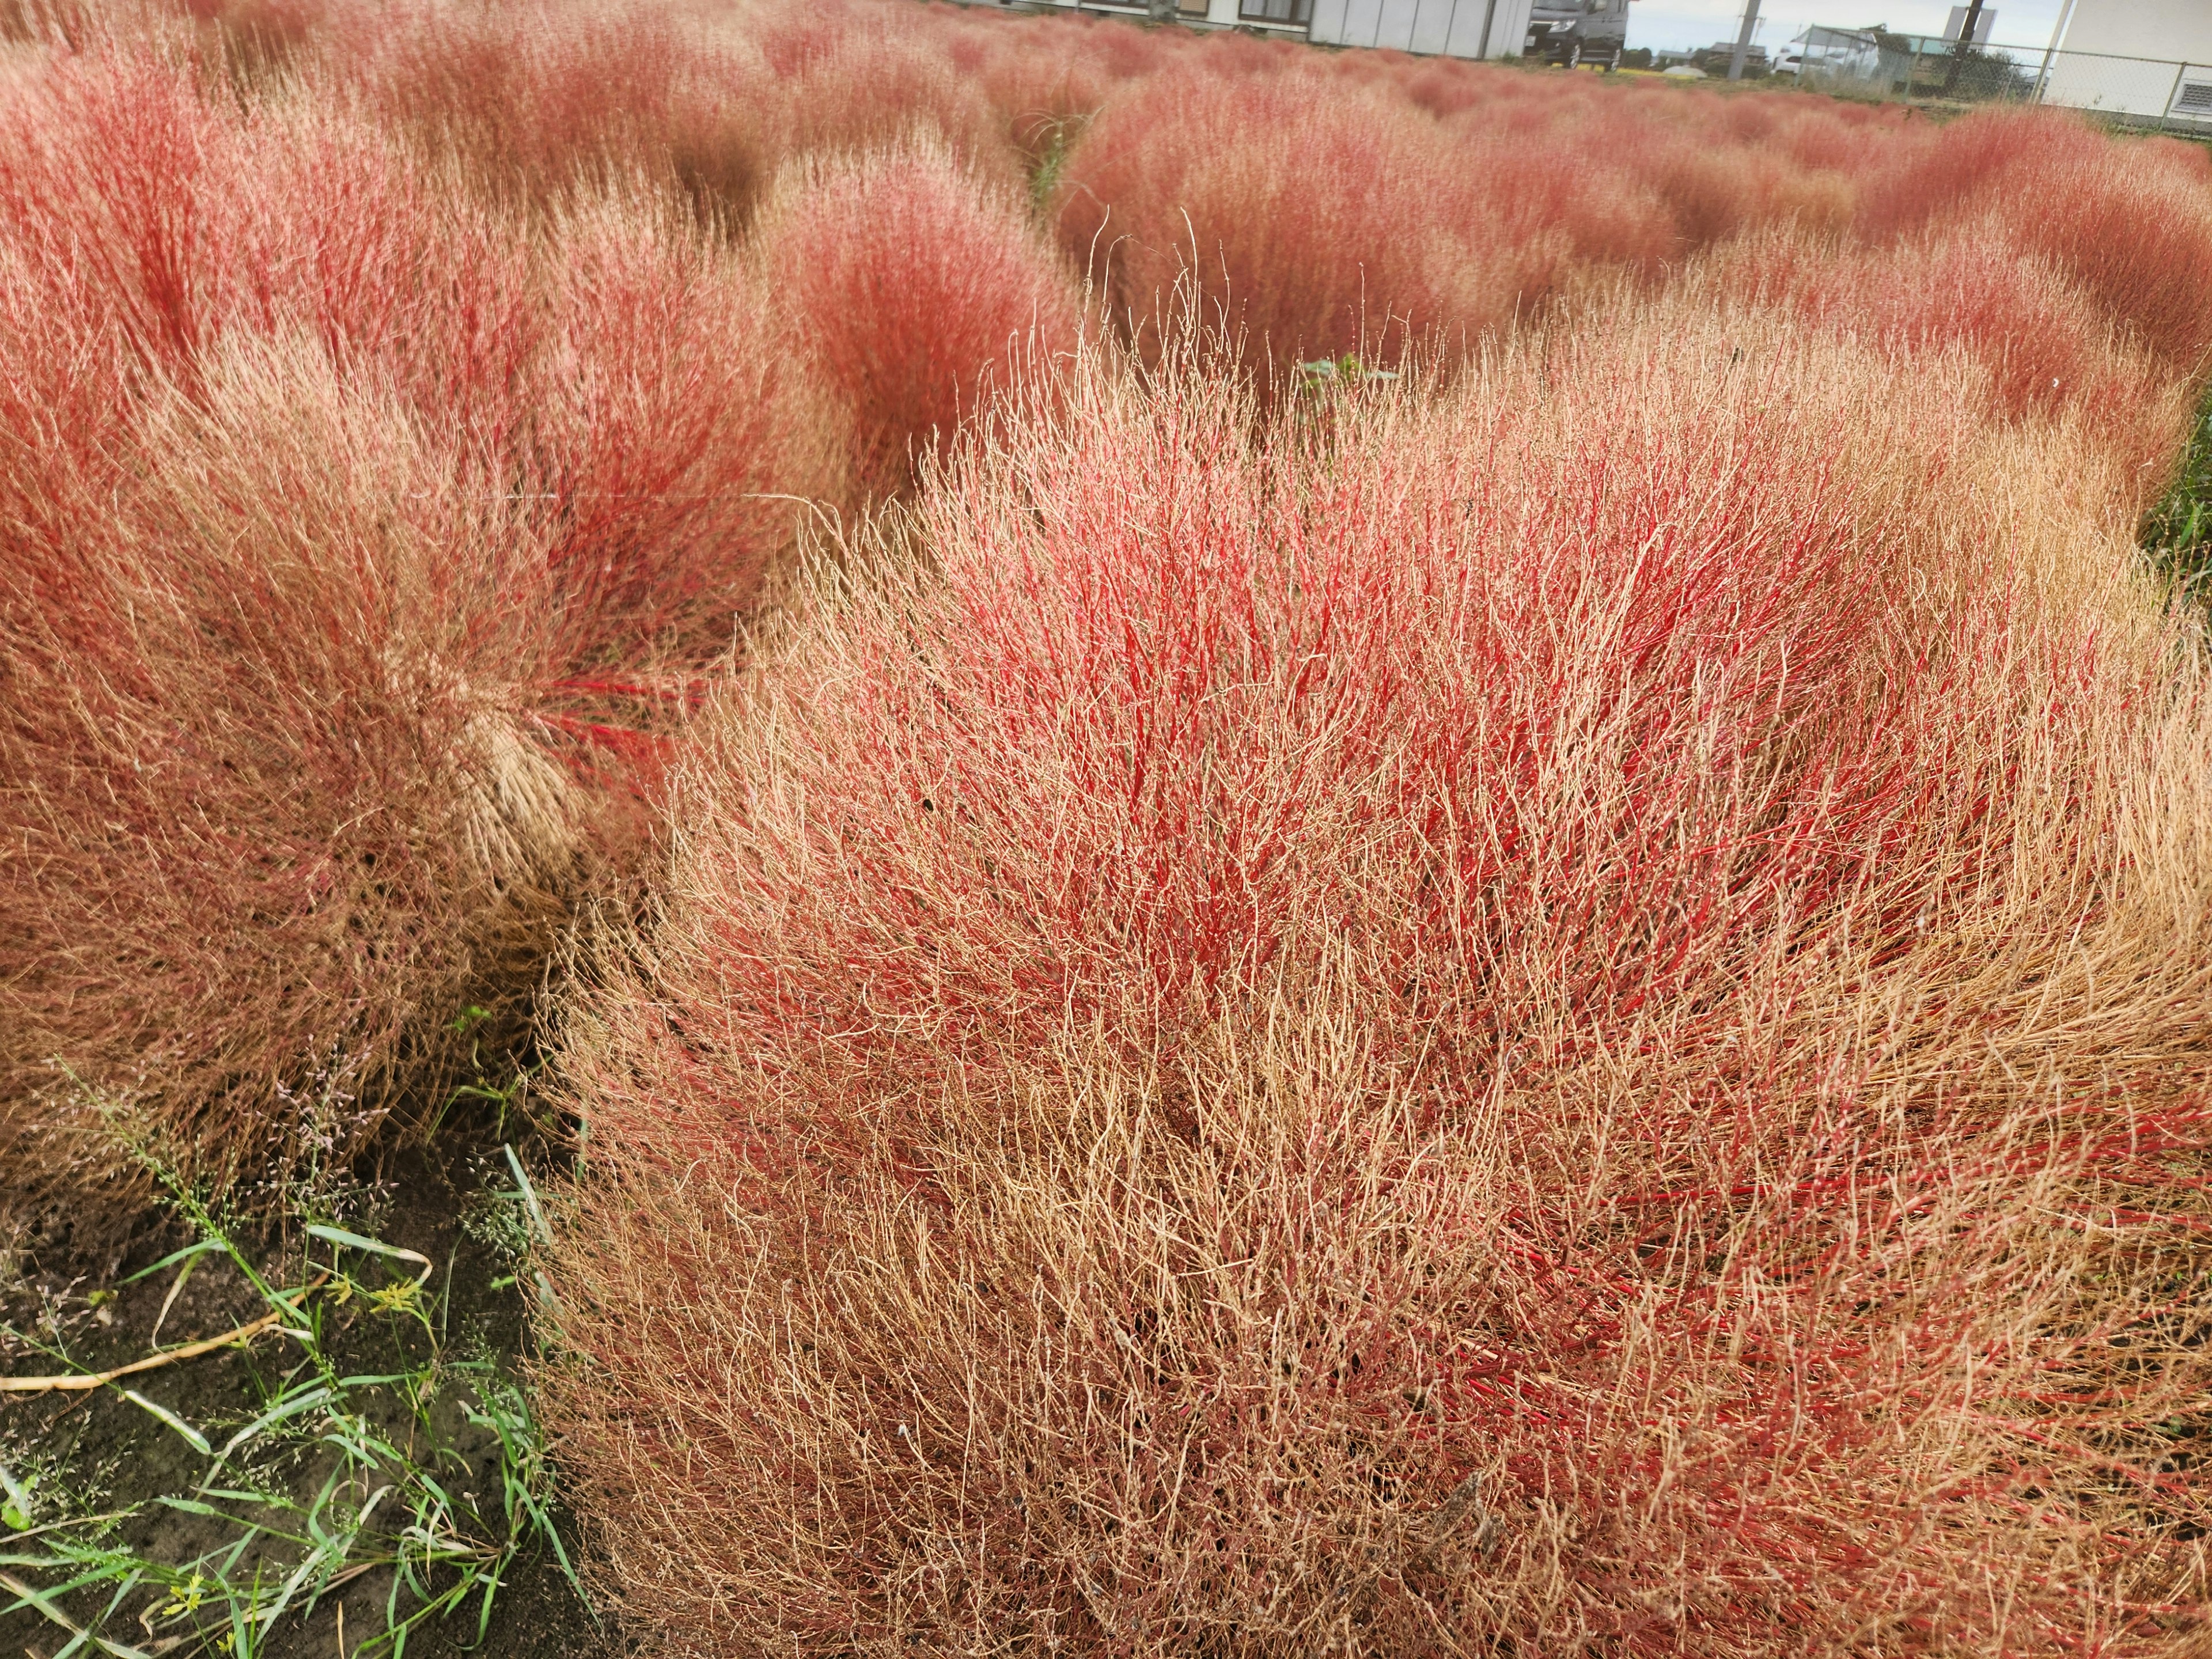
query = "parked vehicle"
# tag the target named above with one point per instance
(1715, 59)
(1574, 32)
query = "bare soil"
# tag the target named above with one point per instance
(112, 1456)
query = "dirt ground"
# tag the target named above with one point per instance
(102, 1454)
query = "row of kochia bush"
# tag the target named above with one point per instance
(1560, 1001)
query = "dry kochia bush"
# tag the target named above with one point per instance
(272, 823)
(358, 553)
(1542, 1020)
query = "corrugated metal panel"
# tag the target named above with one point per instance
(1453, 27)
(1432, 25)
(1395, 29)
(1463, 38)
(1460, 28)
(1363, 22)
(1328, 22)
(1511, 29)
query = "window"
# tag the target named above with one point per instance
(1276, 11)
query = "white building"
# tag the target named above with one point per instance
(1289, 17)
(2151, 59)
(1461, 29)
(1279, 16)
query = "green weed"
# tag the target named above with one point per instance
(324, 1472)
(1336, 373)
(2178, 532)
(1056, 137)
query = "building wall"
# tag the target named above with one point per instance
(2173, 29)
(2146, 90)
(2146, 59)
(1455, 26)
(1223, 14)
(1448, 27)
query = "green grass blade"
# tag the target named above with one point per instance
(192, 1436)
(375, 1246)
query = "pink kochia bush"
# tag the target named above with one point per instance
(1557, 1016)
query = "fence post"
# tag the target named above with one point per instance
(2057, 34)
(2172, 95)
(1912, 70)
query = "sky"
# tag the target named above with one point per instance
(1677, 25)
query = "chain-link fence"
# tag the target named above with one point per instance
(2147, 92)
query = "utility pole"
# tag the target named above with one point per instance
(1743, 40)
(1966, 45)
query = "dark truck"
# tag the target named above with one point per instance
(1714, 60)
(1572, 32)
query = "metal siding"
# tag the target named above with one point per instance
(1509, 27)
(1465, 38)
(2170, 29)
(2140, 87)
(1395, 26)
(1432, 27)
(1329, 17)
(1361, 19)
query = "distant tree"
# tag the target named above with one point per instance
(1974, 73)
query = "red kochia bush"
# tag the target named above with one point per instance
(351, 537)
(912, 292)
(274, 818)
(1482, 1035)
(1322, 212)
(2048, 347)
(2118, 219)
(1388, 236)
(528, 100)
(525, 103)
